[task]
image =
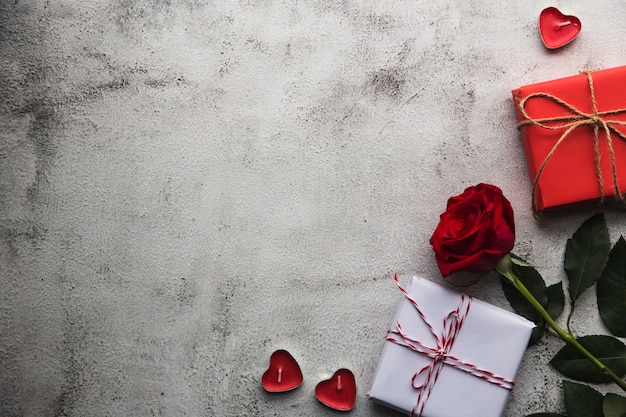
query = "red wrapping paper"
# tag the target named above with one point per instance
(570, 175)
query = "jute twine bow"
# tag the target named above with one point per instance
(576, 119)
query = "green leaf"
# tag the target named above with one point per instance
(585, 255)
(610, 351)
(536, 334)
(614, 405)
(535, 284)
(611, 290)
(581, 400)
(552, 298)
(556, 300)
(519, 261)
(545, 415)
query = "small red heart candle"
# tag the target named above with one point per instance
(338, 392)
(283, 374)
(557, 29)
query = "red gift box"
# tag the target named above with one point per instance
(574, 134)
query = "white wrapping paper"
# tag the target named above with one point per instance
(491, 338)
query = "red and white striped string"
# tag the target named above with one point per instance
(424, 380)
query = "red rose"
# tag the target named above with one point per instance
(475, 231)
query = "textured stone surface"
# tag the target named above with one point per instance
(187, 186)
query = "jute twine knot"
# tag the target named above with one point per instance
(569, 123)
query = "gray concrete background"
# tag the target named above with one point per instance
(187, 186)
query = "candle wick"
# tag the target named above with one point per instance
(280, 375)
(561, 24)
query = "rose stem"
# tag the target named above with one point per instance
(504, 267)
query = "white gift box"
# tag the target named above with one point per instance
(475, 374)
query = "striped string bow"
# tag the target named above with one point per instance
(424, 380)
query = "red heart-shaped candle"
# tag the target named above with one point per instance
(557, 29)
(338, 392)
(283, 374)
